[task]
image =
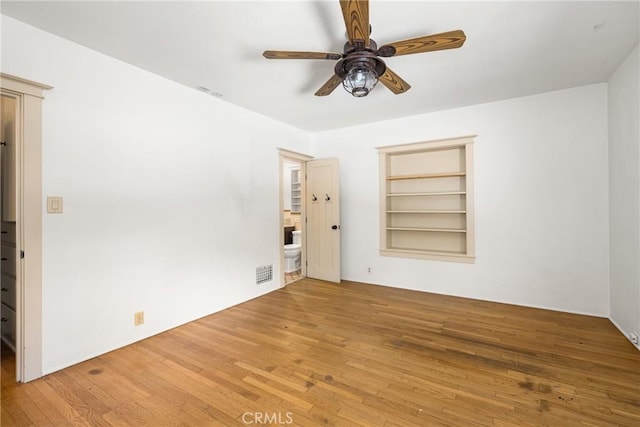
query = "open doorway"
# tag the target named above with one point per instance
(292, 224)
(292, 183)
(21, 224)
(9, 108)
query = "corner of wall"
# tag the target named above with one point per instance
(623, 111)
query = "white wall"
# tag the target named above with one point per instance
(170, 199)
(541, 201)
(624, 194)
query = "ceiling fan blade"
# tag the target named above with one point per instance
(449, 40)
(329, 86)
(394, 82)
(284, 54)
(356, 19)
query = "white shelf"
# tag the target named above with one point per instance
(442, 230)
(425, 176)
(437, 193)
(426, 212)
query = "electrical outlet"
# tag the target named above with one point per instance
(634, 338)
(368, 269)
(138, 318)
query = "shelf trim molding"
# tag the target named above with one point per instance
(427, 145)
(426, 176)
(429, 255)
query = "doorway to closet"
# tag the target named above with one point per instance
(21, 226)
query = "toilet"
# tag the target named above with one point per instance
(292, 254)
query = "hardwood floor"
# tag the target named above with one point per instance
(316, 353)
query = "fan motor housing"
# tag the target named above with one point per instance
(358, 45)
(356, 54)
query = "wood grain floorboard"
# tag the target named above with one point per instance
(318, 353)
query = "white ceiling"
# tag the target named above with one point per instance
(513, 49)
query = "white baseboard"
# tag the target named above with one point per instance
(626, 335)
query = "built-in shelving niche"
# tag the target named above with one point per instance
(426, 194)
(296, 191)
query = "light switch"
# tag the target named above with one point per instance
(54, 204)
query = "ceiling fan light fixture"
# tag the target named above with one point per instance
(360, 80)
(360, 64)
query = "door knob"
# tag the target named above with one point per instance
(335, 227)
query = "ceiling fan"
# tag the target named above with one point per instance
(360, 67)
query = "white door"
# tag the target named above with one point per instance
(323, 219)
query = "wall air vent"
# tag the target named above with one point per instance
(264, 274)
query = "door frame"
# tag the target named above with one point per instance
(285, 154)
(28, 224)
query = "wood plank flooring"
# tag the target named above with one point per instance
(316, 353)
